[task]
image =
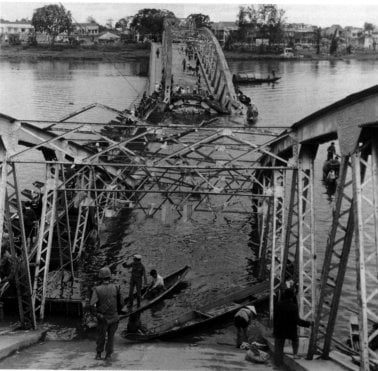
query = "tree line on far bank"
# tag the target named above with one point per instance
(54, 19)
(264, 21)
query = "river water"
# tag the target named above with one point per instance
(215, 248)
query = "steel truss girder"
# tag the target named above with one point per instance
(272, 230)
(277, 237)
(346, 209)
(84, 202)
(11, 199)
(45, 238)
(63, 228)
(291, 235)
(335, 263)
(365, 191)
(306, 234)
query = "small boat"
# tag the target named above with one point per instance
(354, 333)
(243, 98)
(216, 312)
(252, 113)
(331, 170)
(250, 78)
(170, 283)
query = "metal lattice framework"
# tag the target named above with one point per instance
(278, 221)
(13, 224)
(184, 169)
(306, 235)
(354, 214)
(45, 238)
(334, 265)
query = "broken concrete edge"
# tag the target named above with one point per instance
(32, 338)
(343, 360)
(288, 361)
(335, 356)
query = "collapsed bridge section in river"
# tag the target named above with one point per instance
(94, 168)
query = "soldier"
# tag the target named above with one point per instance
(106, 303)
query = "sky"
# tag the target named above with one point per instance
(344, 13)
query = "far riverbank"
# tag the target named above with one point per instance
(102, 53)
(139, 52)
(302, 55)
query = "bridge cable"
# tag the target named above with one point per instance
(111, 62)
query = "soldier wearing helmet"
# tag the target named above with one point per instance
(138, 272)
(106, 303)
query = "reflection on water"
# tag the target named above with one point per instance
(305, 86)
(51, 89)
(48, 90)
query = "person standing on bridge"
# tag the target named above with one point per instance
(157, 53)
(138, 273)
(105, 304)
(184, 65)
(285, 322)
(331, 151)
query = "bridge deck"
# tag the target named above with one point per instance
(188, 78)
(155, 67)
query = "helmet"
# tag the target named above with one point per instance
(104, 273)
(252, 309)
(137, 256)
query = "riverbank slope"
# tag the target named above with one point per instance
(303, 55)
(137, 51)
(101, 53)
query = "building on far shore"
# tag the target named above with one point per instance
(18, 30)
(222, 30)
(299, 34)
(371, 39)
(86, 29)
(108, 38)
(354, 36)
(84, 33)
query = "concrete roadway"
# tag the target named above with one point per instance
(215, 352)
(185, 78)
(155, 67)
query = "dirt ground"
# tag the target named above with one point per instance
(30, 54)
(131, 52)
(215, 350)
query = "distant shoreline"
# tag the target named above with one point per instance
(106, 54)
(305, 56)
(133, 52)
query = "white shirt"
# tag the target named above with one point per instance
(159, 281)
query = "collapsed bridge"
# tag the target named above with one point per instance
(217, 167)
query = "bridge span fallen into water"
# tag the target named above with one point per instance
(219, 165)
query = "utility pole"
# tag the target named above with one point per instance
(109, 23)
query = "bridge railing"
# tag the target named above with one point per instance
(167, 61)
(216, 71)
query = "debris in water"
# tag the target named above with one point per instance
(61, 334)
